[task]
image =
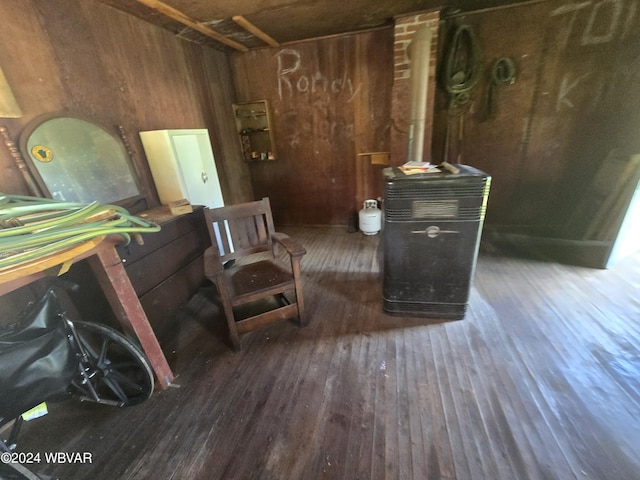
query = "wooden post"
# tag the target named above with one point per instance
(117, 287)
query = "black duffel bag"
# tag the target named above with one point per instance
(37, 359)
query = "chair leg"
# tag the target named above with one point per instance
(300, 302)
(299, 305)
(235, 340)
(228, 313)
(295, 267)
(233, 332)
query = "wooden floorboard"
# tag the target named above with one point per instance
(541, 380)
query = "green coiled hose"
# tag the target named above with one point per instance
(32, 227)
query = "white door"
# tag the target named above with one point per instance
(198, 169)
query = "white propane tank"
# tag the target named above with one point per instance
(370, 218)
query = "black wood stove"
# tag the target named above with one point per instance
(431, 234)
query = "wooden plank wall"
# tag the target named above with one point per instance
(85, 57)
(573, 102)
(330, 99)
(571, 105)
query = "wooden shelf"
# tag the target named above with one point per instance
(253, 124)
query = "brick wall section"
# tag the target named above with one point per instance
(404, 29)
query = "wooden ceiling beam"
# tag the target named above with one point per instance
(178, 16)
(251, 28)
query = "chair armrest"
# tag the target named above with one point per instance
(212, 265)
(292, 247)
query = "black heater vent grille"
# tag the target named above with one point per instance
(433, 192)
(442, 311)
(436, 212)
(434, 209)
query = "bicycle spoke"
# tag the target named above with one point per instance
(125, 381)
(115, 388)
(103, 352)
(124, 364)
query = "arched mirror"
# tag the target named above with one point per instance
(77, 160)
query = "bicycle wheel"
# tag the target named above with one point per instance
(115, 367)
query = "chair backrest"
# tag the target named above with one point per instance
(242, 229)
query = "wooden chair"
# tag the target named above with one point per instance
(238, 232)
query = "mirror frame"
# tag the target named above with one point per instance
(132, 203)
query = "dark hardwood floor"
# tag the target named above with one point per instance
(541, 380)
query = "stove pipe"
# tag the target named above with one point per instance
(419, 57)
